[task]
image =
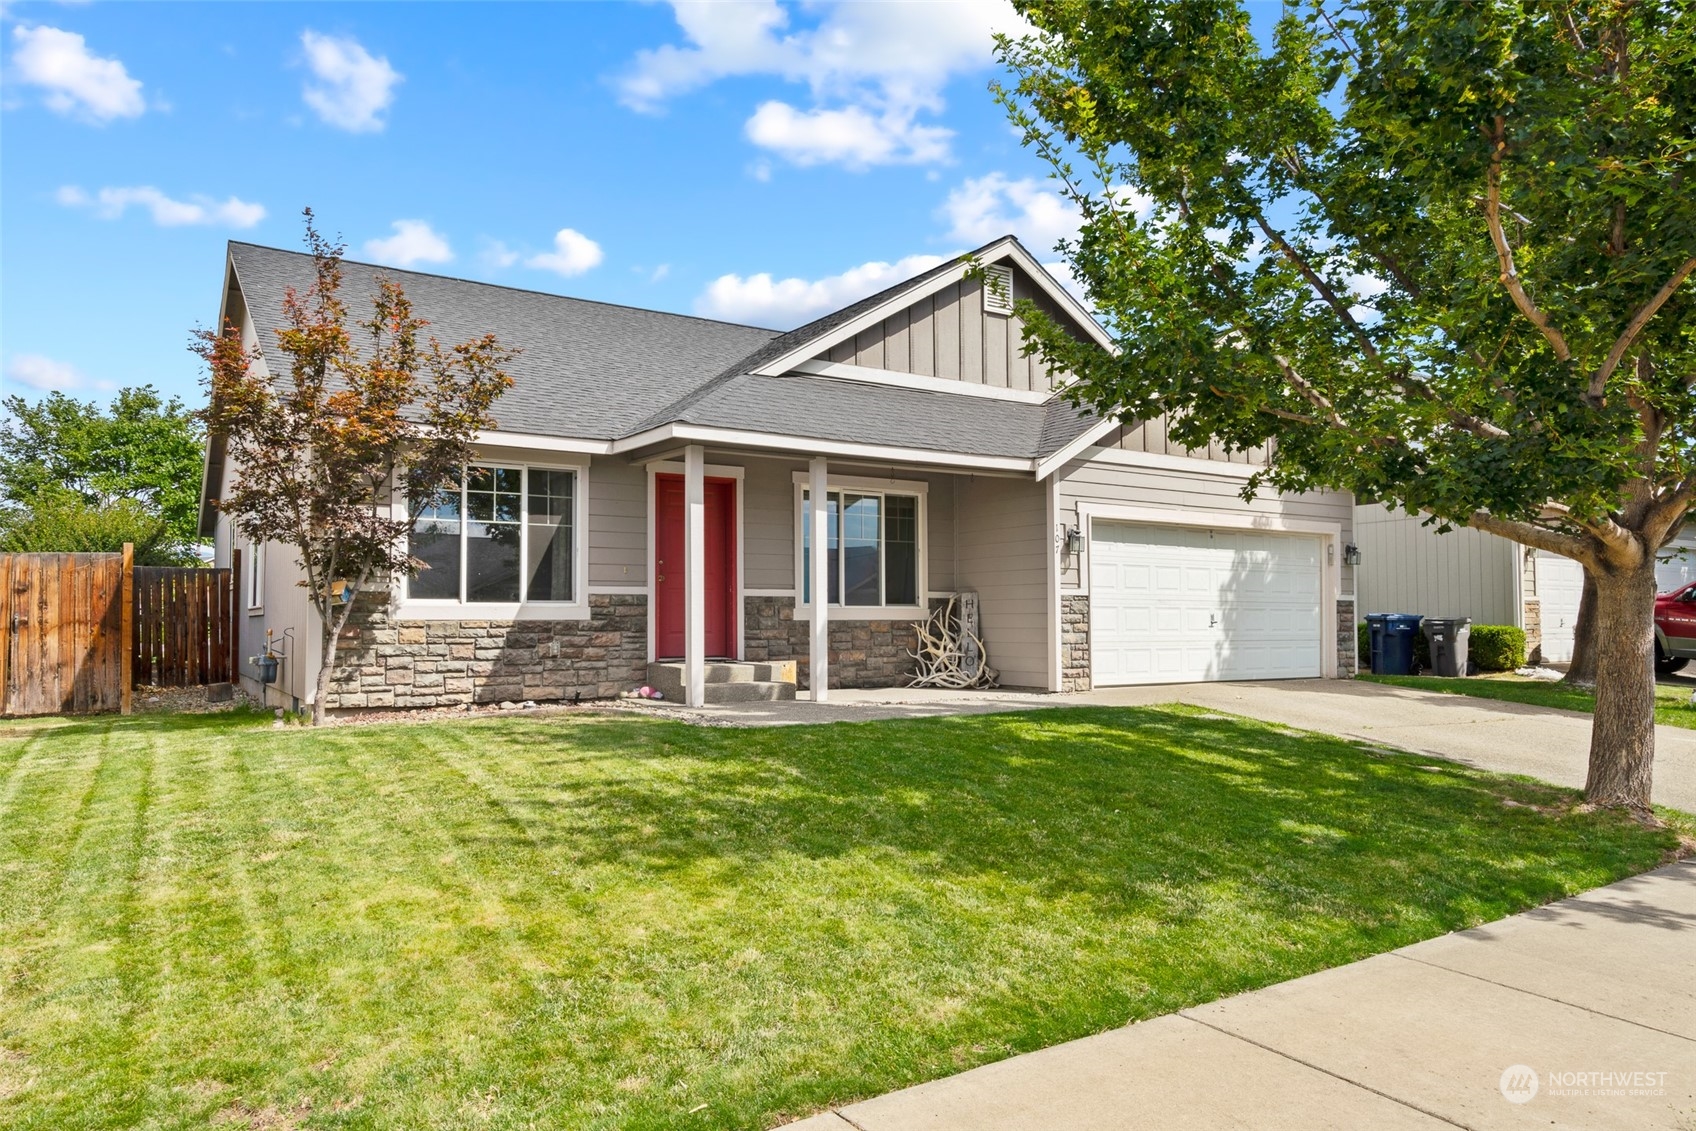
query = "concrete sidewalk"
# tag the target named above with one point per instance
(1422, 1037)
(1511, 738)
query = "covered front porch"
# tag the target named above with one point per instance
(732, 572)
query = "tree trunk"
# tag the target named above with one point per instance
(1622, 732)
(327, 662)
(1582, 670)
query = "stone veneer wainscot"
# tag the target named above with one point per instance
(863, 653)
(382, 662)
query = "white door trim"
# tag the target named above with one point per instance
(713, 471)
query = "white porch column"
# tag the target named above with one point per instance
(694, 575)
(818, 575)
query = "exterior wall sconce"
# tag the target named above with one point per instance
(1351, 554)
(1074, 541)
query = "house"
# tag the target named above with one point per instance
(1408, 567)
(647, 498)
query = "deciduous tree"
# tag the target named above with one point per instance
(1435, 253)
(336, 457)
(78, 476)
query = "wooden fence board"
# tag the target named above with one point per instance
(65, 633)
(82, 629)
(183, 626)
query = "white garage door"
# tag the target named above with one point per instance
(1175, 604)
(1560, 585)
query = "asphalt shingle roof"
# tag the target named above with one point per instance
(592, 370)
(588, 369)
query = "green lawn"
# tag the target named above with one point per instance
(1672, 703)
(580, 922)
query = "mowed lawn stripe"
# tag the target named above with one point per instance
(611, 922)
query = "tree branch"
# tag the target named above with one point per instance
(1504, 253)
(1599, 380)
(1313, 396)
(1319, 284)
(1537, 537)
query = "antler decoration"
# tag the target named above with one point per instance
(950, 654)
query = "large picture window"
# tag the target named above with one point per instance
(504, 535)
(872, 548)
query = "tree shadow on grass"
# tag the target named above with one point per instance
(1130, 808)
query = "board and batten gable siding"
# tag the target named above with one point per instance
(1003, 543)
(1151, 436)
(768, 533)
(948, 334)
(1098, 483)
(1407, 567)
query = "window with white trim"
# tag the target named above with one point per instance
(505, 535)
(872, 548)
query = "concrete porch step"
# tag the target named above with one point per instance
(727, 682)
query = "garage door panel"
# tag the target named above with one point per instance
(1175, 604)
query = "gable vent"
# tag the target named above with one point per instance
(998, 290)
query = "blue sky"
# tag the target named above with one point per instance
(748, 161)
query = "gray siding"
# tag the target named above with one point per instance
(947, 334)
(1407, 567)
(1095, 482)
(1003, 545)
(1151, 436)
(618, 523)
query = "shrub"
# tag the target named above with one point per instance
(1497, 647)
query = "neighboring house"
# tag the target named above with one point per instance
(1101, 554)
(1407, 567)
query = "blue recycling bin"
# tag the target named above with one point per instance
(1392, 636)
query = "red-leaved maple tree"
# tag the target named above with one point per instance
(336, 456)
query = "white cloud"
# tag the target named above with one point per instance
(33, 371)
(111, 203)
(76, 82)
(414, 242)
(984, 208)
(871, 70)
(764, 301)
(497, 255)
(354, 87)
(852, 136)
(573, 254)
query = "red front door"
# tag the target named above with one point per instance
(720, 567)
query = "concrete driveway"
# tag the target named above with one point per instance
(1578, 1014)
(1506, 737)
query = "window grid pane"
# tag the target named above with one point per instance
(551, 543)
(873, 548)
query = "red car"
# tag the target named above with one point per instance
(1675, 629)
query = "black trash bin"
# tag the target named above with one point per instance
(1447, 638)
(1391, 636)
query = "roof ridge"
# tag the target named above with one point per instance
(518, 290)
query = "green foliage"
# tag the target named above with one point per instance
(1497, 647)
(76, 474)
(1295, 242)
(65, 523)
(573, 922)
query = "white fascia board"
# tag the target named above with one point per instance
(803, 445)
(841, 371)
(1090, 438)
(498, 439)
(1194, 465)
(1005, 249)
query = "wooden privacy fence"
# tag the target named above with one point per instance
(184, 626)
(83, 629)
(67, 635)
